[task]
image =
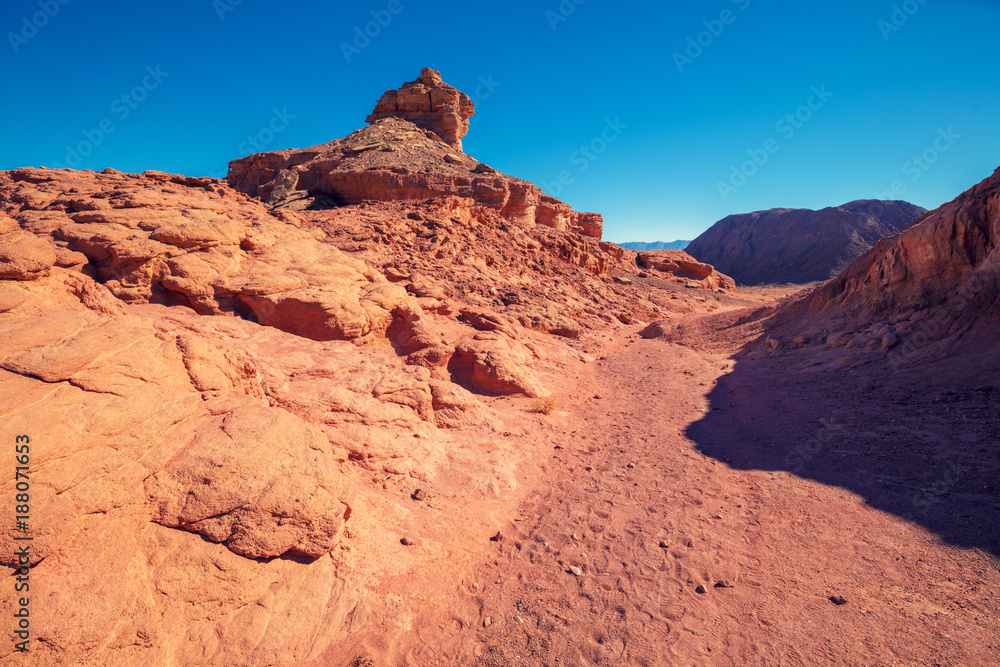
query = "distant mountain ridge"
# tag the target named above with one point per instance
(655, 245)
(928, 293)
(799, 245)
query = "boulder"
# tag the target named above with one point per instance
(456, 407)
(258, 480)
(495, 364)
(685, 268)
(24, 256)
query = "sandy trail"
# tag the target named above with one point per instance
(631, 500)
(670, 466)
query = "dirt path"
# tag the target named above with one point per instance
(684, 508)
(631, 519)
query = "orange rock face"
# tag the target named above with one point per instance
(232, 407)
(228, 398)
(686, 268)
(210, 384)
(23, 256)
(431, 104)
(393, 160)
(401, 156)
(932, 286)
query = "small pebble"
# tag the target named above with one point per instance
(575, 570)
(701, 590)
(498, 537)
(575, 537)
(419, 494)
(407, 542)
(488, 621)
(838, 599)
(664, 544)
(725, 583)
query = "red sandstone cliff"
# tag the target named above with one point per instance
(402, 155)
(431, 104)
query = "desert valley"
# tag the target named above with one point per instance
(374, 402)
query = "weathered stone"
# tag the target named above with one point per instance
(431, 104)
(682, 266)
(24, 256)
(495, 364)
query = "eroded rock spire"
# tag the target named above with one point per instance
(429, 103)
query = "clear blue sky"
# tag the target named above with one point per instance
(224, 67)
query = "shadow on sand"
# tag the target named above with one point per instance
(923, 446)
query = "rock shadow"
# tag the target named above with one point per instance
(923, 444)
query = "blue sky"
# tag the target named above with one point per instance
(665, 117)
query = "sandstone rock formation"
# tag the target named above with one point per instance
(23, 256)
(798, 245)
(210, 385)
(178, 241)
(399, 158)
(920, 292)
(685, 268)
(227, 400)
(430, 104)
(265, 501)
